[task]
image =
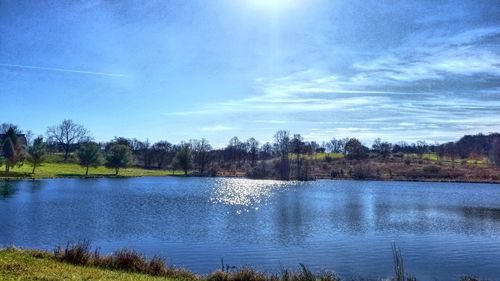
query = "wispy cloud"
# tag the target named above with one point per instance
(428, 86)
(217, 128)
(56, 69)
(435, 58)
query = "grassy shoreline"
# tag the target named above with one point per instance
(79, 262)
(16, 264)
(72, 170)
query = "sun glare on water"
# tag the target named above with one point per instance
(245, 192)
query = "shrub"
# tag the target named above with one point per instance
(78, 253)
(334, 173)
(129, 260)
(248, 274)
(259, 171)
(219, 276)
(432, 169)
(362, 171)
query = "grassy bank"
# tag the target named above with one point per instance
(80, 262)
(37, 265)
(57, 170)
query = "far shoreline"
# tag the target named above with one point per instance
(429, 180)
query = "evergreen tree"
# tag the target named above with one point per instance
(13, 151)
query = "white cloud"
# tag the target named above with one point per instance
(217, 128)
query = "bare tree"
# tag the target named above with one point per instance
(382, 148)
(201, 149)
(253, 148)
(282, 143)
(67, 135)
(183, 157)
(4, 127)
(297, 144)
(236, 150)
(495, 152)
(266, 151)
(162, 153)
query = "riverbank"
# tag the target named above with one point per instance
(422, 170)
(75, 263)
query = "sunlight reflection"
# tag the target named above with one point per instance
(245, 192)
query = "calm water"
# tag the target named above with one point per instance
(443, 229)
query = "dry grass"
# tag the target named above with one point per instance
(126, 260)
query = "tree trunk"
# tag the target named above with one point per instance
(7, 168)
(66, 151)
(116, 171)
(185, 172)
(87, 171)
(34, 166)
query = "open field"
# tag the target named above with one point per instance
(54, 170)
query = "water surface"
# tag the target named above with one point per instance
(444, 229)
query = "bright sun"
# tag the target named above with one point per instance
(274, 5)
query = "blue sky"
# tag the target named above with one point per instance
(178, 70)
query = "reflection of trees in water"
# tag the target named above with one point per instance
(481, 213)
(353, 211)
(8, 189)
(290, 218)
(350, 212)
(422, 216)
(35, 185)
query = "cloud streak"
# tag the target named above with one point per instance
(56, 69)
(433, 87)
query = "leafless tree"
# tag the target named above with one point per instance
(67, 135)
(282, 143)
(163, 153)
(201, 149)
(253, 148)
(4, 127)
(297, 145)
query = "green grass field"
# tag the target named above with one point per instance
(54, 170)
(35, 265)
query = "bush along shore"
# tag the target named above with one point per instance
(80, 262)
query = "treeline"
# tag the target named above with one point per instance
(287, 157)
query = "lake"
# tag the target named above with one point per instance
(443, 229)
